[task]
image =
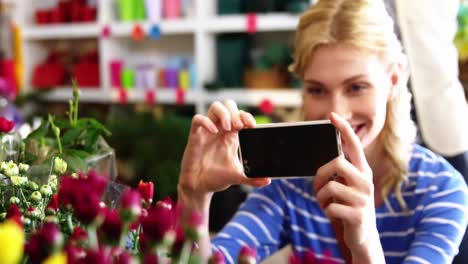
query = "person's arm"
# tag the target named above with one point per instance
(440, 217)
(428, 28)
(210, 162)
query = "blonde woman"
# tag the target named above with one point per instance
(393, 202)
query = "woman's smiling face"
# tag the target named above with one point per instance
(352, 83)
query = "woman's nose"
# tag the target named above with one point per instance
(340, 106)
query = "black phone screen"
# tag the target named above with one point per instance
(287, 151)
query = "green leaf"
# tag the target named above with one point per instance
(74, 162)
(71, 135)
(40, 132)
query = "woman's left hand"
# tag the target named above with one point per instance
(350, 198)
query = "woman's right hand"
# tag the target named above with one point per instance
(210, 162)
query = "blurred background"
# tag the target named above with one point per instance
(145, 67)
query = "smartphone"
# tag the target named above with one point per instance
(295, 149)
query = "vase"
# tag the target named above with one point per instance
(10, 146)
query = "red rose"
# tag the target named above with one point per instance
(6, 125)
(53, 204)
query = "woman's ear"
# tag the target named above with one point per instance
(399, 78)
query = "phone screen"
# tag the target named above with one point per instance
(288, 150)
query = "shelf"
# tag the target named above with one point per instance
(279, 97)
(98, 95)
(62, 31)
(179, 26)
(265, 22)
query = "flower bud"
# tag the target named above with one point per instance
(36, 196)
(23, 168)
(32, 186)
(146, 190)
(11, 169)
(60, 166)
(14, 200)
(33, 213)
(130, 205)
(247, 255)
(217, 258)
(56, 131)
(53, 182)
(3, 216)
(46, 190)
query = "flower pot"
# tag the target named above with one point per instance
(265, 79)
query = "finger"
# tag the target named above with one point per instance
(256, 182)
(345, 171)
(218, 113)
(334, 191)
(203, 121)
(235, 116)
(247, 119)
(355, 150)
(345, 213)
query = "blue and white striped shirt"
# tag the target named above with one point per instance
(286, 212)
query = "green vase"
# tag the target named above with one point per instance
(126, 10)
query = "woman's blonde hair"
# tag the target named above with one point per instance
(365, 25)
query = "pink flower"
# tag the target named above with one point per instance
(130, 205)
(125, 258)
(166, 203)
(79, 236)
(111, 228)
(14, 213)
(83, 194)
(193, 225)
(146, 190)
(53, 205)
(150, 259)
(217, 258)
(158, 222)
(6, 125)
(100, 256)
(74, 254)
(247, 255)
(44, 242)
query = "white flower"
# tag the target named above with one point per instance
(60, 166)
(11, 169)
(23, 168)
(14, 200)
(53, 181)
(46, 190)
(18, 181)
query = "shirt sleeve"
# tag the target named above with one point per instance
(258, 224)
(440, 219)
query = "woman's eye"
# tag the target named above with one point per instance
(356, 88)
(315, 91)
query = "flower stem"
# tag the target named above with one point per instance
(70, 223)
(185, 254)
(92, 236)
(124, 235)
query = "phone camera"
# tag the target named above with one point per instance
(246, 166)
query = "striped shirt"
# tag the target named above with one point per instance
(286, 212)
